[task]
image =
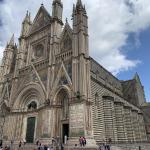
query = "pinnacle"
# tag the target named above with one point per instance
(12, 41)
(74, 8)
(136, 76)
(66, 20)
(58, 1)
(79, 4)
(27, 17)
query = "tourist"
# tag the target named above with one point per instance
(105, 144)
(39, 146)
(37, 142)
(11, 145)
(24, 141)
(80, 141)
(20, 143)
(49, 147)
(45, 147)
(62, 146)
(1, 143)
(84, 141)
(65, 139)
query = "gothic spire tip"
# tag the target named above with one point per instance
(12, 41)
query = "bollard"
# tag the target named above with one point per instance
(139, 147)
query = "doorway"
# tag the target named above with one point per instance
(65, 132)
(30, 130)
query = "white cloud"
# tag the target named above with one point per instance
(110, 22)
(1, 52)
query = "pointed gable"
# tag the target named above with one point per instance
(62, 78)
(66, 38)
(137, 79)
(42, 19)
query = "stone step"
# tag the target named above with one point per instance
(113, 147)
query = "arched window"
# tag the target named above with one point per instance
(32, 105)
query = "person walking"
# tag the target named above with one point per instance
(20, 143)
(84, 141)
(80, 141)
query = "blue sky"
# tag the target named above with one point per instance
(141, 52)
(119, 32)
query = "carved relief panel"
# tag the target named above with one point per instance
(38, 51)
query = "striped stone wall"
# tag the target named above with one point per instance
(136, 125)
(129, 124)
(109, 118)
(142, 127)
(120, 122)
(114, 117)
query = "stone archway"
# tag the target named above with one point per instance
(27, 103)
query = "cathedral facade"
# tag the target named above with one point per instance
(51, 87)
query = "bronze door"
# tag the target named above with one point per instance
(30, 130)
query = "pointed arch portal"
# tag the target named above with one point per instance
(62, 99)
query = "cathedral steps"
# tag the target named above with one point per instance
(143, 146)
(25, 147)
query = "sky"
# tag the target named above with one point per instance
(119, 32)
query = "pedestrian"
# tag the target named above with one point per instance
(11, 145)
(20, 143)
(1, 143)
(62, 146)
(65, 139)
(105, 144)
(37, 142)
(84, 141)
(39, 146)
(81, 141)
(45, 147)
(24, 141)
(49, 147)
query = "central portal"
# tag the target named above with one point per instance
(62, 113)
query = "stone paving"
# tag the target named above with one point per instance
(143, 146)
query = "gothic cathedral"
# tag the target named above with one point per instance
(51, 87)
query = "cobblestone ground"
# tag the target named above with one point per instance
(143, 146)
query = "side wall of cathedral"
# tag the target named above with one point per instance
(113, 117)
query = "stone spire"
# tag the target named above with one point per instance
(79, 4)
(80, 50)
(27, 18)
(80, 26)
(26, 24)
(11, 43)
(8, 55)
